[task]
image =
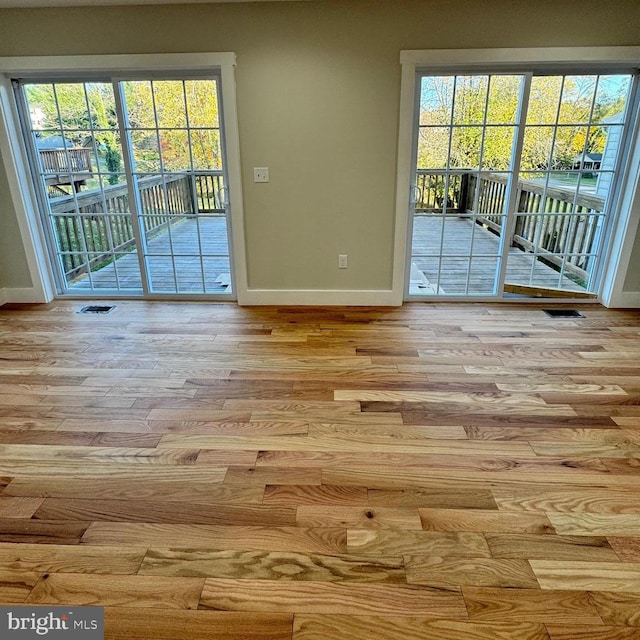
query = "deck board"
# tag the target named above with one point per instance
(454, 273)
(451, 273)
(187, 239)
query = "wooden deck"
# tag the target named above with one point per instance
(424, 277)
(206, 471)
(452, 272)
(211, 274)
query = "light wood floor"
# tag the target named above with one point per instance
(204, 471)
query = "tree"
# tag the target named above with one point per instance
(173, 124)
(468, 121)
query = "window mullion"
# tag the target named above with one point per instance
(132, 186)
(508, 226)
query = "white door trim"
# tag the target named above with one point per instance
(13, 151)
(516, 59)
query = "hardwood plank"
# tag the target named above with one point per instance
(223, 458)
(44, 453)
(161, 512)
(126, 440)
(19, 530)
(320, 451)
(330, 597)
(308, 448)
(33, 436)
(550, 547)
(126, 591)
(567, 500)
(436, 543)
(389, 478)
(329, 540)
(596, 524)
(587, 449)
(52, 558)
(391, 432)
(617, 609)
(171, 490)
(484, 521)
(581, 632)
(303, 494)
(124, 623)
(250, 476)
(627, 549)
(472, 399)
(459, 496)
(554, 434)
(594, 576)
(491, 604)
(432, 571)
(11, 507)
(622, 465)
(409, 627)
(105, 468)
(357, 517)
(272, 565)
(16, 585)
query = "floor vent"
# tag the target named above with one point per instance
(563, 313)
(97, 308)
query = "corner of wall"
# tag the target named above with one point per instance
(23, 295)
(624, 300)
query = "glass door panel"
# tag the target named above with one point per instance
(173, 127)
(76, 158)
(513, 180)
(131, 184)
(465, 148)
(572, 137)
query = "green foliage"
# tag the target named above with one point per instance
(469, 120)
(174, 124)
(186, 115)
(113, 160)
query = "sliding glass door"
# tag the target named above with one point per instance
(514, 174)
(132, 185)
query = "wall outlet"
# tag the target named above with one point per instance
(343, 262)
(261, 174)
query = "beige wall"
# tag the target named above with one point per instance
(318, 95)
(632, 281)
(14, 270)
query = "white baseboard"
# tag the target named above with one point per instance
(313, 297)
(28, 295)
(625, 300)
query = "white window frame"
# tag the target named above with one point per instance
(14, 154)
(626, 209)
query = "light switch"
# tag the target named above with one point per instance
(261, 174)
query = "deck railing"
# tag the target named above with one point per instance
(541, 227)
(66, 161)
(99, 222)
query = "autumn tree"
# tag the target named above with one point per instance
(469, 121)
(173, 125)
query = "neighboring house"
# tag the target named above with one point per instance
(609, 156)
(590, 161)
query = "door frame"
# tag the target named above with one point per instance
(13, 149)
(560, 59)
